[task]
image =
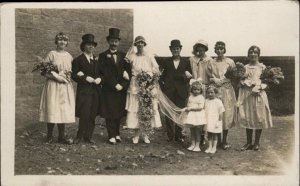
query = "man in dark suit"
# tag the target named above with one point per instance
(86, 72)
(116, 72)
(175, 84)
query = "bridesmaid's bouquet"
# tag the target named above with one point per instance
(269, 76)
(146, 82)
(272, 75)
(236, 73)
(44, 67)
(49, 69)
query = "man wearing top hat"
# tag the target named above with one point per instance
(175, 84)
(116, 74)
(86, 72)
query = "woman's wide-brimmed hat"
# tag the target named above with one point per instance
(86, 39)
(140, 39)
(175, 43)
(203, 43)
(114, 33)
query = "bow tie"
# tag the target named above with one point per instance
(113, 53)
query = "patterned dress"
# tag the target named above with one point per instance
(226, 91)
(254, 111)
(146, 63)
(57, 101)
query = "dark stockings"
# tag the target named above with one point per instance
(61, 131)
(224, 140)
(50, 127)
(249, 135)
(257, 136)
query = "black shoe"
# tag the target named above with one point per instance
(77, 140)
(89, 141)
(226, 146)
(247, 147)
(170, 139)
(63, 141)
(256, 147)
(179, 140)
(49, 140)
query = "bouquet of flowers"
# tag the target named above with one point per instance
(146, 82)
(47, 68)
(236, 73)
(44, 67)
(271, 75)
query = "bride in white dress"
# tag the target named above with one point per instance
(140, 61)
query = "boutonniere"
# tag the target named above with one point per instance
(108, 55)
(96, 58)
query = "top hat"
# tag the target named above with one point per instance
(138, 39)
(88, 38)
(203, 43)
(114, 33)
(175, 43)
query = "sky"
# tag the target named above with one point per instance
(273, 26)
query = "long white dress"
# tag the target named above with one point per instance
(57, 101)
(146, 63)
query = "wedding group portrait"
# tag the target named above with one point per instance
(150, 89)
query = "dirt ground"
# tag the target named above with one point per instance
(34, 157)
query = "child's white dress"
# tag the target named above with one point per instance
(196, 117)
(213, 107)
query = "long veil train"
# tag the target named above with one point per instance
(170, 110)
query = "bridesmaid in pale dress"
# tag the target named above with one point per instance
(57, 101)
(199, 64)
(254, 111)
(140, 61)
(218, 68)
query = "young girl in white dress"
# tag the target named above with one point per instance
(214, 112)
(196, 114)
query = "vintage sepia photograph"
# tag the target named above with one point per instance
(150, 93)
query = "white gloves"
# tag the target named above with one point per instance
(90, 79)
(80, 74)
(118, 87)
(125, 75)
(188, 74)
(97, 81)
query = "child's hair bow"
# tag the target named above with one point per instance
(199, 80)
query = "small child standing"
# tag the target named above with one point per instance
(196, 115)
(214, 109)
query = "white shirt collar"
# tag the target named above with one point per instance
(88, 56)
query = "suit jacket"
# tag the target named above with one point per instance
(85, 88)
(112, 102)
(174, 81)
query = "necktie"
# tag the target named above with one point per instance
(114, 54)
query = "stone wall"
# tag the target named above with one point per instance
(35, 32)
